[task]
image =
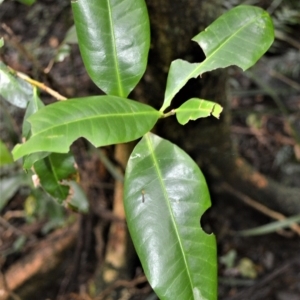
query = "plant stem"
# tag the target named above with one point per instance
(39, 85)
(168, 114)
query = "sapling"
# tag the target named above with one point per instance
(165, 191)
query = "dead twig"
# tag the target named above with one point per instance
(281, 36)
(6, 289)
(14, 214)
(263, 209)
(285, 79)
(117, 247)
(15, 230)
(41, 86)
(259, 133)
(11, 36)
(49, 250)
(246, 130)
(249, 292)
(121, 283)
(79, 297)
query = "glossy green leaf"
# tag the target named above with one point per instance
(114, 40)
(52, 170)
(5, 155)
(103, 120)
(165, 195)
(194, 109)
(13, 89)
(32, 158)
(35, 104)
(239, 37)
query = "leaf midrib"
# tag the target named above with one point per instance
(114, 48)
(169, 207)
(90, 118)
(193, 110)
(196, 72)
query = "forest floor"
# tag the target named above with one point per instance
(257, 267)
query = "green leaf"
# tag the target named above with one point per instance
(19, 243)
(9, 186)
(54, 169)
(165, 195)
(1, 39)
(64, 48)
(194, 109)
(30, 159)
(114, 40)
(27, 2)
(40, 205)
(13, 89)
(271, 227)
(54, 213)
(62, 53)
(5, 155)
(34, 105)
(239, 37)
(71, 36)
(78, 200)
(103, 120)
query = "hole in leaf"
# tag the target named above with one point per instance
(205, 221)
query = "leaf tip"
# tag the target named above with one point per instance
(16, 152)
(217, 110)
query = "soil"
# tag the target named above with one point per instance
(258, 267)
